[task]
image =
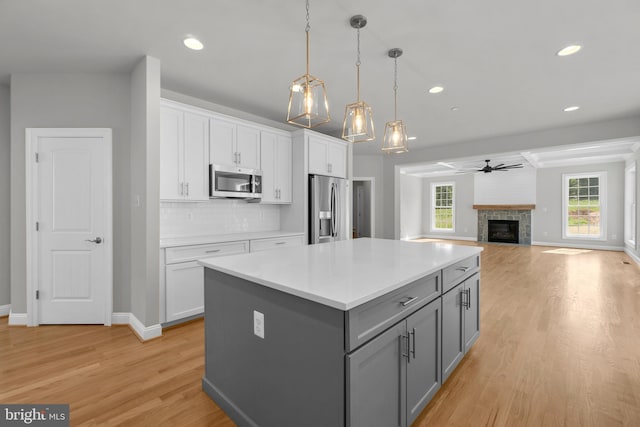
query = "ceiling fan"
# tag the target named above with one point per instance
(488, 168)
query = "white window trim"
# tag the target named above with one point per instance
(433, 207)
(630, 202)
(602, 193)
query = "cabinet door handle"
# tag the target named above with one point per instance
(413, 337)
(280, 243)
(187, 186)
(468, 291)
(463, 269)
(212, 251)
(402, 338)
(182, 188)
(239, 158)
(408, 301)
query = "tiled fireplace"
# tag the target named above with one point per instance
(504, 227)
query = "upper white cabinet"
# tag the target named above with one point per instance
(327, 156)
(184, 154)
(234, 144)
(276, 165)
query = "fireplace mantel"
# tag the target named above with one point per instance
(504, 207)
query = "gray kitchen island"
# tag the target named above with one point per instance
(351, 333)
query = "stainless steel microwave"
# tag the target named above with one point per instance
(234, 182)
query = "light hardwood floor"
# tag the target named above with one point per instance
(559, 346)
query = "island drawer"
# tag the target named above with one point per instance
(277, 242)
(194, 252)
(459, 271)
(368, 320)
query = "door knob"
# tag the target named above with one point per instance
(97, 240)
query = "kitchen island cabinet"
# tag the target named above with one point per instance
(346, 333)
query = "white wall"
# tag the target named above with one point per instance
(367, 165)
(546, 219)
(180, 219)
(483, 148)
(466, 218)
(5, 223)
(515, 187)
(145, 184)
(411, 203)
(71, 100)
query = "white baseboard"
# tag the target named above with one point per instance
(447, 237)
(579, 246)
(17, 319)
(5, 310)
(120, 318)
(144, 332)
(632, 255)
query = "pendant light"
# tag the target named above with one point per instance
(358, 118)
(308, 106)
(395, 133)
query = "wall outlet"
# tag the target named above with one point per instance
(258, 324)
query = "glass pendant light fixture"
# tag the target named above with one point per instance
(308, 106)
(358, 118)
(395, 133)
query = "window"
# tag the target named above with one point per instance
(584, 206)
(443, 207)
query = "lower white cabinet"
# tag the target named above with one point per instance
(184, 277)
(182, 295)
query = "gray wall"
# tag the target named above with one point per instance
(411, 203)
(547, 217)
(466, 218)
(74, 101)
(371, 166)
(5, 223)
(145, 183)
(597, 131)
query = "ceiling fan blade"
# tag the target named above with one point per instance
(497, 166)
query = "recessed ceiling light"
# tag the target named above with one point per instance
(411, 138)
(569, 50)
(193, 43)
(455, 108)
(572, 108)
(436, 89)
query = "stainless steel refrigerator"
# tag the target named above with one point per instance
(327, 209)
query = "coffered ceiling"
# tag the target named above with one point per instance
(495, 59)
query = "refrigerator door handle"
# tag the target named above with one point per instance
(336, 208)
(332, 201)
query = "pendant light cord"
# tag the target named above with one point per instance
(395, 88)
(306, 30)
(358, 69)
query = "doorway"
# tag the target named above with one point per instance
(69, 226)
(363, 207)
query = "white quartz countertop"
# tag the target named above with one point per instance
(342, 274)
(221, 238)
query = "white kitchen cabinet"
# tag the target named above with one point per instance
(275, 161)
(327, 156)
(184, 277)
(234, 144)
(184, 155)
(258, 245)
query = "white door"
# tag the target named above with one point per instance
(248, 147)
(196, 157)
(268, 148)
(222, 142)
(72, 207)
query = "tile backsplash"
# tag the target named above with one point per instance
(184, 219)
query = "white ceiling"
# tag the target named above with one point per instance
(495, 58)
(559, 156)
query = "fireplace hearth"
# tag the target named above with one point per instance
(503, 231)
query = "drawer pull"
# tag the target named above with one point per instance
(463, 269)
(281, 243)
(408, 301)
(212, 251)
